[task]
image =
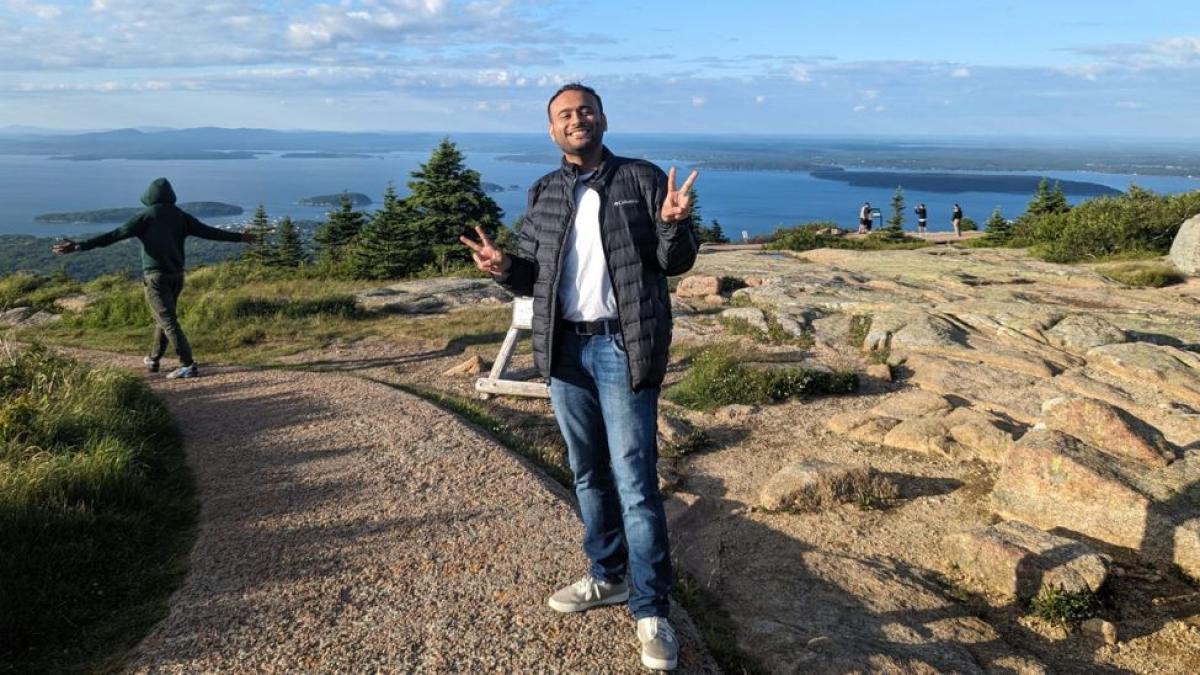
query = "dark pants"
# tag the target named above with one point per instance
(162, 294)
(612, 445)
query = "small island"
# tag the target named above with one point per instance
(120, 215)
(356, 199)
(325, 155)
(496, 187)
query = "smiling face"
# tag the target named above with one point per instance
(577, 126)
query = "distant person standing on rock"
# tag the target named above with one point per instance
(161, 227)
(922, 217)
(956, 217)
(864, 218)
(602, 234)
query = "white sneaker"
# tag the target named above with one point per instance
(660, 647)
(587, 593)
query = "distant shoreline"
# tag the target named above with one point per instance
(120, 215)
(957, 183)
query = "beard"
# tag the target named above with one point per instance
(587, 145)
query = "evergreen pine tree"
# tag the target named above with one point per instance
(715, 234)
(262, 251)
(447, 201)
(289, 249)
(998, 228)
(389, 247)
(1058, 201)
(334, 236)
(896, 222)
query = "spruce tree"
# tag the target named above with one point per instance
(335, 235)
(715, 234)
(1058, 201)
(999, 230)
(289, 249)
(896, 222)
(447, 201)
(262, 251)
(389, 247)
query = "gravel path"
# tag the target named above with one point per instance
(349, 527)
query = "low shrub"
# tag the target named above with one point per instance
(717, 378)
(862, 486)
(1143, 274)
(1099, 228)
(1064, 608)
(817, 235)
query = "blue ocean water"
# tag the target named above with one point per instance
(754, 201)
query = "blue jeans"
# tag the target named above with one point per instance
(612, 443)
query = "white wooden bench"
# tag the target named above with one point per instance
(495, 383)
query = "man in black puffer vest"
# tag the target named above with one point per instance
(601, 235)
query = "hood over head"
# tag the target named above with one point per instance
(159, 192)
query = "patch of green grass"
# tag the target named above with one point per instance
(865, 487)
(32, 290)
(1143, 274)
(1064, 608)
(717, 378)
(716, 626)
(96, 513)
(860, 325)
(742, 327)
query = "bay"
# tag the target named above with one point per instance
(756, 202)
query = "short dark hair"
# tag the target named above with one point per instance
(576, 86)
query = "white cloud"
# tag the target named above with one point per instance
(960, 72)
(1130, 105)
(859, 108)
(870, 94)
(880, 108)
(760, 99)
(801, 74)
(699, 101)
(43, 12)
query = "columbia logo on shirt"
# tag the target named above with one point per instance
(625, 202)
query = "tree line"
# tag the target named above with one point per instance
(408, 236)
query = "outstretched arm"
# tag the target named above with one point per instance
(196, 228)
(131, 228)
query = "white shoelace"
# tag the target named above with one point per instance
(589, 588)
(657, 627)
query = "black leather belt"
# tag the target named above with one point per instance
(601, 327)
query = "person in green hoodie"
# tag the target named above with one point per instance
(161, 227)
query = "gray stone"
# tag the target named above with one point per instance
(912, 404)
(1101, 630)
(698, 286)
(1081, 332)
(1109, 429)
(1185, 250)
(1017, 561)
(750, 315)
(426, 296)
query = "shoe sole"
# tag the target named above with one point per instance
(659, 664)
(563, 607)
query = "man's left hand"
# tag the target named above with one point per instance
(66, 246)
(678, 203)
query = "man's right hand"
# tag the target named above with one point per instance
(66, 246)
(487, 256)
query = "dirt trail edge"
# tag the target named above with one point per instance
(349, 527)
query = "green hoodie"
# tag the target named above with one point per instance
(161, 227)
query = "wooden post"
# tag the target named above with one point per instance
(495, 383)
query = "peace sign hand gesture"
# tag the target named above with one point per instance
(488, 257)
(678, 203)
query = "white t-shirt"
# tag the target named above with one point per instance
(585, 291)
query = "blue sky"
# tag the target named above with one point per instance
(921, 68)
